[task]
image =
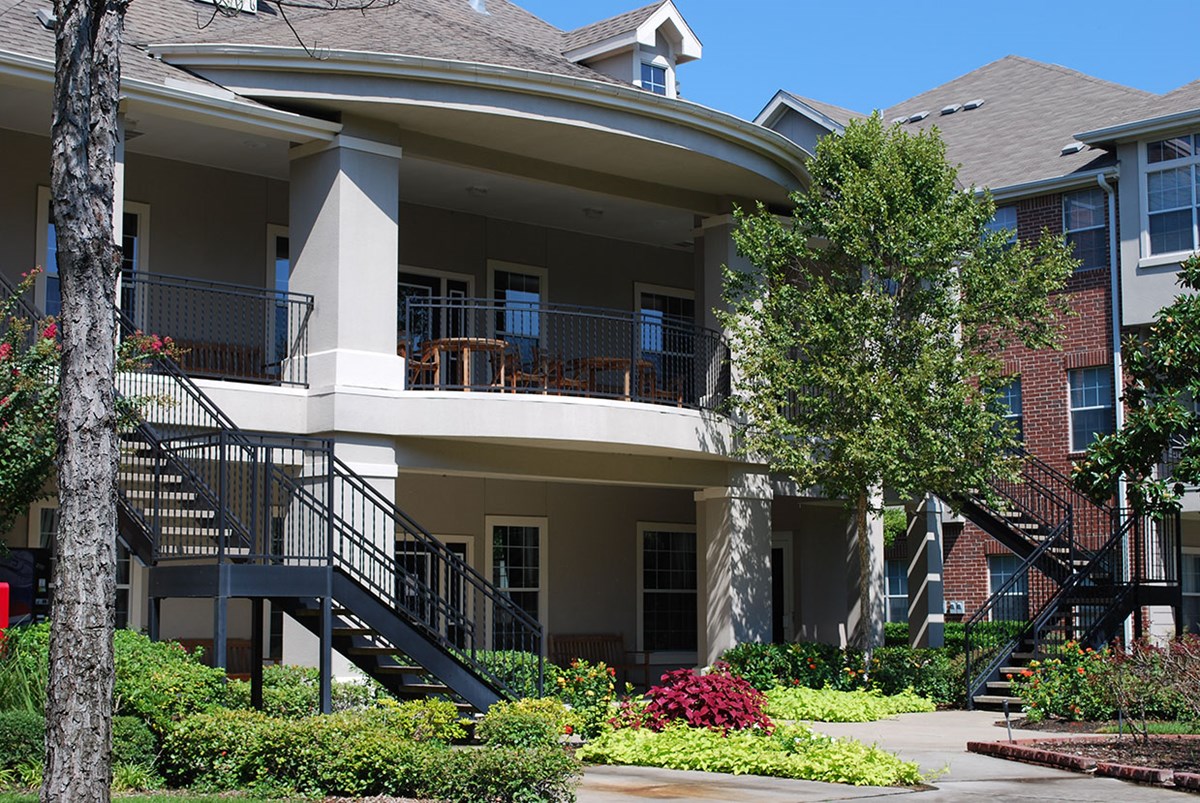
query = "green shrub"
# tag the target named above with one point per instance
(355, 754)
(589, 689)
(523, 723)
(133, 743)
(503, 775)
(22, 736)
(792, 751)
(895, 634)
(421, 720)
(295, 691)
(216, 750)
(24, 668)
(518, 670)
(160, 682)
(134, 778)
(830, 705)
(809, 664)
(1068, 685)
(930, 673)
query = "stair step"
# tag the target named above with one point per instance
(197, 532)
(400, 670)
(424, 688)
(353, 631)
(198, 551)
(164, 496)
(372, 651)
(148, 477)
(180, 513)
(999, 685)
(316, 612)
(996, 699)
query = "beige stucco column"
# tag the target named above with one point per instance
(345, 201)
(733, 525)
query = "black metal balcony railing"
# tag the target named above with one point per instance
(520, 347)
(225, 331)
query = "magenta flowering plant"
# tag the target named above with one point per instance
(718, 700)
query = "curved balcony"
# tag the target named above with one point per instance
(506, 346)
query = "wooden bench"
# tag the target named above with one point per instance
(239, 655)
(597, 647)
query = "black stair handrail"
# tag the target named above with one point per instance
(992, 656)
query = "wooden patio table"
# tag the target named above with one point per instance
(623, 365)
(466, 346)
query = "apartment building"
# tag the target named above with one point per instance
(1111, 168)
(444, 278)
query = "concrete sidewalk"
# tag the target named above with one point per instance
(937, 742)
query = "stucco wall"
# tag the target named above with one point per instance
(24, 165)
(826, 566)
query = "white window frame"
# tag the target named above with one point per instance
(543, 275)
(442, 276)
(1145, 168)
(1187, 552)
(542, 523)
(888, 596)
(1072, 410)
(674, 657)
(1067, 231)
(992, 590)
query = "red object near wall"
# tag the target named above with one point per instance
(3, 609)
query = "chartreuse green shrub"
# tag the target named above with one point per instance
(524, 723)
(830, 705)
(791, 751)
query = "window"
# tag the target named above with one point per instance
(1005, 220)
(1014, 605)
(1083, 224)
(1191, 591)
(667, 336)
(668, 589)
(1091, 405)
(654, 79)
(1172, 187)
(517, 559)
(279, 276)
(431, 320)
(897, 591)
(1010, 398)
(519, 293)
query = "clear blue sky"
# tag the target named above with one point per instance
(864, 54)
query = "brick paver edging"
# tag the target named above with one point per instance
(1019, 750)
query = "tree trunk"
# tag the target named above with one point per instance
(868, 631)
(83, 148)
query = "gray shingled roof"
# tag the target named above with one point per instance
(1030, 111)
(838, 114)
(507, 36)
(604, 29)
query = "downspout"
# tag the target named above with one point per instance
(1118, 370)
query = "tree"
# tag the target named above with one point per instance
(868, 334)
(1163, 375)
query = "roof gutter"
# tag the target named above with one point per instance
(618, 97)
(1067, 182)
(1139, 127)
(263, 119)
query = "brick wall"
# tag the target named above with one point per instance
(1086, 342)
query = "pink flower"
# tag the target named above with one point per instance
(5, 351)
(50, 331)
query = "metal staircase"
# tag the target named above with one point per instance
(1085, 568)
(220, 513)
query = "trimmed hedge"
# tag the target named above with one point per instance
(356, 754)
(23, 734)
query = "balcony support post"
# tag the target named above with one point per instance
(926, 617)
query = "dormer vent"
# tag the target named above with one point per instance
(479, 6)
(973, 104)
(918, 117)
(951, 109)
(1072, 147)
(898, 120)
(47, 18)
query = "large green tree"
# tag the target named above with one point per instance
(868, 334)
(1163, 373)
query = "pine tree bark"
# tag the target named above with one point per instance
(83, 152)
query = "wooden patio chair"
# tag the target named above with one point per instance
(557, 378)
(519, 375)
(421, 370)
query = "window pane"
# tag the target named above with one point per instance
(669, 590)
(1090, 248)
(1163, 150)
(1004, 220)
(1171, 231)
(1083, 209)
(654, 79)
(1169, 189)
